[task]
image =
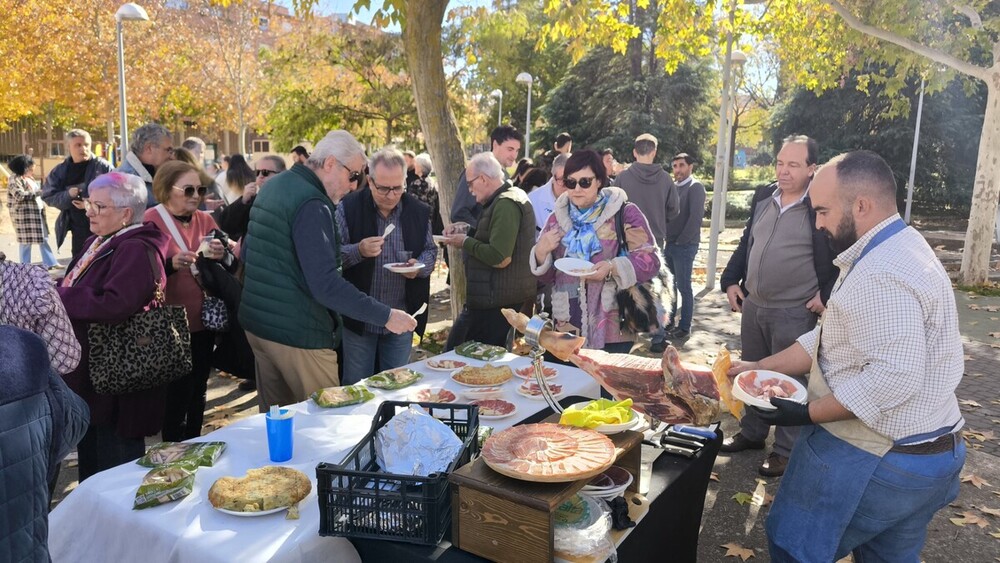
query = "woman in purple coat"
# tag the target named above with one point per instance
(108, 282)
(582, 226)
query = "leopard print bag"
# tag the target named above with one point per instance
(149, 349)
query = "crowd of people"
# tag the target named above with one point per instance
(322, 261)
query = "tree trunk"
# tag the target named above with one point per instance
(986, 192)
(422, 40)
(243, 136)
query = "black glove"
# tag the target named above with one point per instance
(786, 413)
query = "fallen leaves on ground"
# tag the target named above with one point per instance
(967, 403)
(714, 477)
(967, 358)
(743, 498)
(969, 519)
(995, 335)
(975, 480)
(737, 550)
(971, 434)
(990, 511)
(996, 534)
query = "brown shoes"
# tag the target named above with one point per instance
(774, 465)
(738, 443)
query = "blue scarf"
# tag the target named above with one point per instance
(581, 241)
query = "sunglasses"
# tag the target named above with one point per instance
(265, 172)
(190, 190)
(355, 174)
(583, 182)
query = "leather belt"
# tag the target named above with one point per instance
(939, 445)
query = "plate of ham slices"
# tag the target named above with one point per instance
(494, 408)
(757, 387)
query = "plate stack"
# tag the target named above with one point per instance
(609, 484)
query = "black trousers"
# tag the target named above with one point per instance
(102, 448)
(185, 411)
(482, 325)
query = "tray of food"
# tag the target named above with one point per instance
(757, 387)
(528, 372)
(336, 397)
(433, 395)
(494, 408)
(480, 351)
(548, 453)
(445, 365)
(531, 390)
(393, 378)
(261, 491)
(485, 376)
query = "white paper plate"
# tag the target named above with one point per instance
(575, 267)
(538, 397)
(483, 393)
(251, 514)
(429, 365)
(800, 396)
(531, 373)
(395, 268)
(497, 416)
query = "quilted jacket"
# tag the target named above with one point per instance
(41, 420)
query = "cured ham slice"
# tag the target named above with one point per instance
(766, 388)
(548, 452)
(667, 389)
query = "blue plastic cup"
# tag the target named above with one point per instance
(280, 435)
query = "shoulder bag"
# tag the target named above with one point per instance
(149, 349)
(636, 304)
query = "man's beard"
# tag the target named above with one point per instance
(846, 235)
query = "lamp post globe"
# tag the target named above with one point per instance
(498, 94)
(525, 78)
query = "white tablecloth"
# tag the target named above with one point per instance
(96, 521)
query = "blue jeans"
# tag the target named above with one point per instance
(48, 258)
(360, 351)
(835, 499)
(680, 262)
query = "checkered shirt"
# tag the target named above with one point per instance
(890, 350)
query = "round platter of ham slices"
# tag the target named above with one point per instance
(548, 453)
(756, 387)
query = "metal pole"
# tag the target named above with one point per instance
(123, 146)
(730, 133)
(500, 111)
(720, 160)
(913, 155)
(527, 126)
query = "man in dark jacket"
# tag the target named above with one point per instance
(779, 277)
(66, 186)
(505, 144)
(41, 420)
(363, 218)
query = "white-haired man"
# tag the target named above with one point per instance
(66, 186)
(496, 254)
(150, 147)
(294, 293)
(362, 218)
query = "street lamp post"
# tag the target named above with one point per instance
(913, 155)
(739, 58)
(498, 94)
(721, 152)
(525, 78)
(131, 12)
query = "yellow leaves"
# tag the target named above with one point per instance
(737, 550)
(968, 518)
(969, 403)
(742, 498)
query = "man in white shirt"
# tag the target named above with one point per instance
(879, 451)
(543, 198)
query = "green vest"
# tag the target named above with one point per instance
(488, 287)
(277, 304)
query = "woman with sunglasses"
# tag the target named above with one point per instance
(180, 188)
(582, 225)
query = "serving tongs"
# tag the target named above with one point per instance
(532, 335)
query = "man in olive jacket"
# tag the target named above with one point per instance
(294, 292)
(497, 254)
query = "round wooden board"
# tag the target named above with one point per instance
(587, 450)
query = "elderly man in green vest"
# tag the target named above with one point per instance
(496, 252)
(294, 293)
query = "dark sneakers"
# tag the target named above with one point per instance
(774, 465)
(738, 443)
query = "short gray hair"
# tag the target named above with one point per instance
(192, 143)
(339, 144)
(388, 157)
(424, 160)
(560, 161)
(146, 135)
(486, 164)
(279, 163)
(76, 134)
(126, 191)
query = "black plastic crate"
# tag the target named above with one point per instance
(357, 500)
